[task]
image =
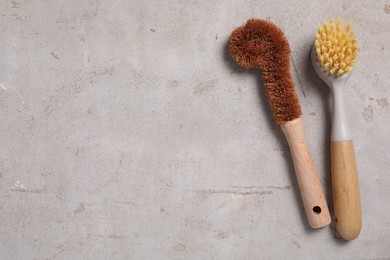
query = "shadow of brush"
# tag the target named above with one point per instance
(272, 126)
(322, 90)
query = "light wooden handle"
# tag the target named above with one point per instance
(345, 186)
(312, 195)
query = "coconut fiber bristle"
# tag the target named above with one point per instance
(261, 44)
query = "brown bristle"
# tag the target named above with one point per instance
(261, 44)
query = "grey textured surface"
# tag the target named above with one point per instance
(128, 132)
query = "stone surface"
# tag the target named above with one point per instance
(128, 132)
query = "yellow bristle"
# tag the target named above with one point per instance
(348, 27)
(336, 47)
(340, 72)
(340, 58)
(326, 66)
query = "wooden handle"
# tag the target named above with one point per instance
(312, 195)
(346, 195)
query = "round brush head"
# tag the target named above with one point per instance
(261, 44)
(336, 47)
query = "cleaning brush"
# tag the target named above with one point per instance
(261, 44)
(334, 55)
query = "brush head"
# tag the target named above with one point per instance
(261, 44)
(336, 47)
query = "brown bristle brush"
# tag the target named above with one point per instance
(261, 44)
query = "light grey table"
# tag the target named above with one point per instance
(126, 131)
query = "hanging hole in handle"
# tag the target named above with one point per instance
(317, 210)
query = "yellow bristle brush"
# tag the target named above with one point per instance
(334, 55)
